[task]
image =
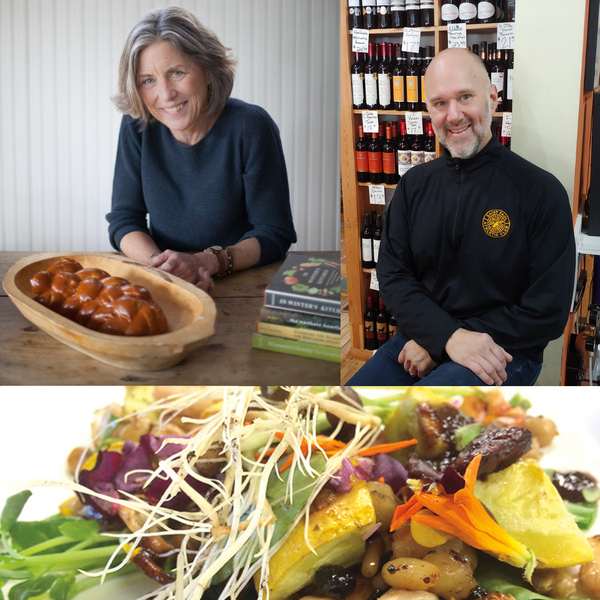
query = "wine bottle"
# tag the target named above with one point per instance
(483, 54)
(413, 102)
(375, 160)
(355, 18)
(449, 11)
(366, 237)
(388, 155)
(413, 13)
(476, 49)
(384, 80)
(510, 10)
(399, 80)
(486, 11)
(383, 14)
(497, 69)
(428, 53)
(381, 325)
(429, 144)
(369, 324)
(395, 134)
(416, 151)
(392, 326)
(403, 151)
(508, 80)
(426, 8)
(377, 233)
(467, 11)
(398, 10)
(362, 158)
(370, 20)
(357, 75)
(371, 80)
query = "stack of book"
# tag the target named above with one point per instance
(301, 314)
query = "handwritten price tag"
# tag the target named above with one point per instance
(411, 40)
(414, 123)
(506, 36)
(370, 121)
(360, 40)
(377, 194)
(374, 285)
(457, 35)
(506, 124)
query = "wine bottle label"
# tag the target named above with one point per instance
(382, 10)
(392, 330)
(385, 89)
(367, 250)
(412, 4)
(375, 162)
(383, 3)
(509, 84)
(412, 89)
(467, 11)
(428, 156)
(368, 10)
(426, 4)
(403, 162)
(498, 81)
(376, 244)
(371, 88)
(354, 10)
(423, 95)
(362, 161)
(398, 6)
(449, 12)
(485, 10)
(416, 157)
(353, 3)
(382, 333)
(358, 89)
(398, 88)
(389, 162)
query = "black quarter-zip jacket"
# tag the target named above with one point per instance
(485, 244)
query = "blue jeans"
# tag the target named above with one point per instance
(384, 369)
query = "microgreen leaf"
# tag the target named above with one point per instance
(31, 588)
(79, 530)
(12, 510)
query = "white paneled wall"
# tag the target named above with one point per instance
(58, 127)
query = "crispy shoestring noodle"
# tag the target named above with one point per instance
(236, 525)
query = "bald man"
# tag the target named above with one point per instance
(477, 258)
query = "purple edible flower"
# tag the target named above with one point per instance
(392, 471)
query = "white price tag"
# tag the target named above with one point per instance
(414, 123)
(506, 124)
(457, 35)
(506, 36)
(411, 40)
(360, 40)
(374, 285)
(377, 194)
(370, 121)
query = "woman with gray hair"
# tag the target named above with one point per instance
(200, 186)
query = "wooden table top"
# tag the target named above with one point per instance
(29, 356)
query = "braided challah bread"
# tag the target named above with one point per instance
(91, 297)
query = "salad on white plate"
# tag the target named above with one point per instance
(412, 494)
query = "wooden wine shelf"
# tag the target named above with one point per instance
(444, 28)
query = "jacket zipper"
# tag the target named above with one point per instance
(462, 173)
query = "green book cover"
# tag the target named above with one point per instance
(302, 334)
(295, 347)
(307, 284)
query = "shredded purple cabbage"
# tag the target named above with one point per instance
(370, 469)
(129, 471)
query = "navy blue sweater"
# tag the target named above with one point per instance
(486, 244)
(231, 185)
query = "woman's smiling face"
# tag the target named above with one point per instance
(174, 90)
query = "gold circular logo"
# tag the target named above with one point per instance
(496, 223)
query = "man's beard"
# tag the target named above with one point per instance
(480, 131)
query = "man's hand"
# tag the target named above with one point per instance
(416, 360)
(195, 268)
(479, 353)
